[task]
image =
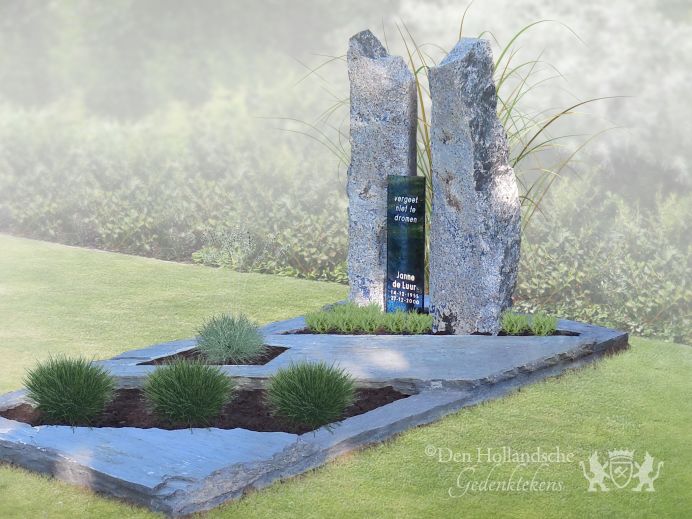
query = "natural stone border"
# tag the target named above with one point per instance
(180, 472)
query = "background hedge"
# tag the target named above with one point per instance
(147, 188)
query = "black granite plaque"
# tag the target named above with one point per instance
(405, 243)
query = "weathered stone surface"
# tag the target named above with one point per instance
(383, 142)
(475, 221)
(169, 471)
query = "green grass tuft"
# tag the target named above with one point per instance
(185, 392)
(230, 339)
(543, 324)
(350, 318)
(513, 323)
(69, 391)
(312, 394)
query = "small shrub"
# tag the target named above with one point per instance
(543, 324)
(369, 320)
(231, 339)
(318, 322)
(397, 322)
(415, 323)
(513, 323)
(348, 322)
(311, 394)
(72, 391)
(188, 392)
(351, 318)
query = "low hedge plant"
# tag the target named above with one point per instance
(513, 323)
(350, 318)
(310, 394)
(230, 339)
(543, 324)
(188, 392)
(69, 391)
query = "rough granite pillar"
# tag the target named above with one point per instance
(383, 142)
(475, 221)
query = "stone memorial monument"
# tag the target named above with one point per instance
(383, 143)
(475, 220)
(475, 217)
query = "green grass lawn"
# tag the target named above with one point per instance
(60, 299)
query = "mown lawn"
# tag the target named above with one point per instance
(61, 299)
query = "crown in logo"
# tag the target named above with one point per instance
(621, 454)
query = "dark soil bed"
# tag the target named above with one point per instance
(308, 331)
(270, 352)
(247, 411)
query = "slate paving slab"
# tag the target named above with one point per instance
(185, 471)
(405, 362)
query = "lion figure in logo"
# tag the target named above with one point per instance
(598, 473)
(644, 473)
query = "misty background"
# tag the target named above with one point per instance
(168, 129)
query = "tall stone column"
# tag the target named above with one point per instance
(475, 221)
(383, 142)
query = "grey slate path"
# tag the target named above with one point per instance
(180, 472)
(402, 361)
